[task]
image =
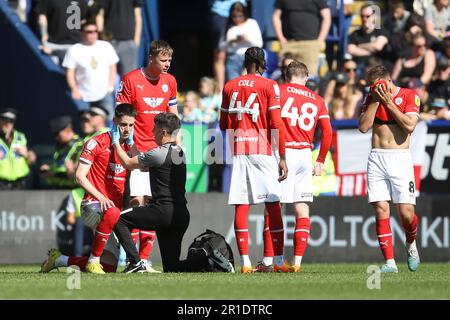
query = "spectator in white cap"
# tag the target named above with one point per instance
(99, 118)
(15, 158)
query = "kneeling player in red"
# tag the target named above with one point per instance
(103, 178)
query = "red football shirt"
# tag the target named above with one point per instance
(406, 100)
(106, 174)
(246, 104)
(301, 110)
(150, 97)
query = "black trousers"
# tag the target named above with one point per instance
(170, 221)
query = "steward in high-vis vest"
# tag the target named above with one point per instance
(59, 173)
(15, 157)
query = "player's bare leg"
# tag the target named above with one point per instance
(384, 233)
(410, 222)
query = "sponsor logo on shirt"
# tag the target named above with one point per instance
(152, 112)
(297, 144)
(153, 102)
(245, 139)
(116, 168)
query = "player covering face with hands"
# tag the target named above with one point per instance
(393, 113)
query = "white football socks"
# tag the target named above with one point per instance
(245, 261)
(94, 259)
(267, 261)
(411, 246)
(391, 263)
(298, 260)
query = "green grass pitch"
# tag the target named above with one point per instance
(316, 281)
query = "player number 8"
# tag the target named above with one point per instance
(308, 111)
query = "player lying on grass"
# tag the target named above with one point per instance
(103, 178)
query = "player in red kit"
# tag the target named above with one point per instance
(102, 176)
(250, 113)
(301, 111)
(393, 113)
(151, 90)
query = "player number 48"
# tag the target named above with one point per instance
(308, 111)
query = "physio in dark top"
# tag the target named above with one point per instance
(167, 214)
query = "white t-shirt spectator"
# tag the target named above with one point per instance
(439, 18)
(249, 30)
(91, 65)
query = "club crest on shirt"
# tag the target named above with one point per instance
(417, 100)
(91, 144)
(153, 102)
(165, 88)
(117, 168)
(398, 101)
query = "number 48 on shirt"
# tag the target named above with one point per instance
(305, 120)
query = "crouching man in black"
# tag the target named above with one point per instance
(167, 214)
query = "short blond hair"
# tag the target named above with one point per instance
(160, 46)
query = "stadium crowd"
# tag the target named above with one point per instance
(410, 38)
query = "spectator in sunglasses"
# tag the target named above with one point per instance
(368, 40)
(419, 65)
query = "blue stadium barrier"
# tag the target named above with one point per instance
(262, 13)
(150, 29)
(30, 82)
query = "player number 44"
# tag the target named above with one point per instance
(308, 111)
(249, 108)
